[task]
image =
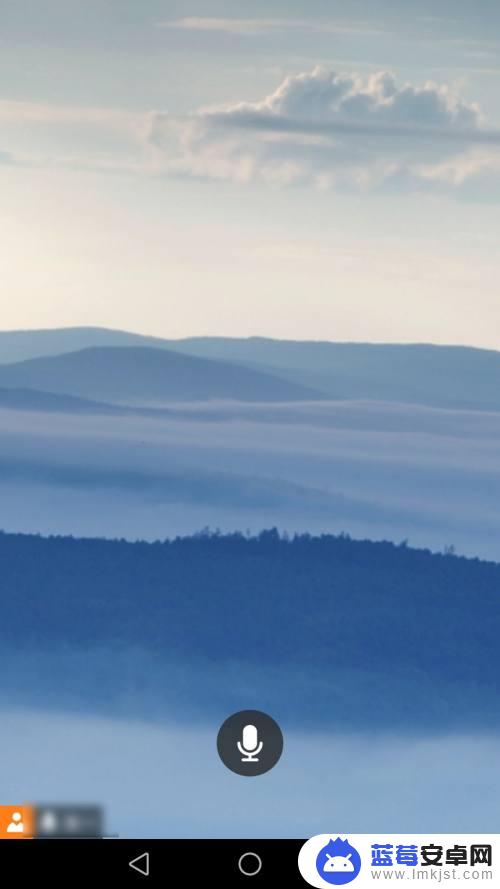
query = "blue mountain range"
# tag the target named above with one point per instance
(255, 368)
(325, 631)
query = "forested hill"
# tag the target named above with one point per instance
(424, 627)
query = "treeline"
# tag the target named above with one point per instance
(328, 607)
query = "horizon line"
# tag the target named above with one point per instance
(243, 338)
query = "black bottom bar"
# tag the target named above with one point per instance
(263, 864)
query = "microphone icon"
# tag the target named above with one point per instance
(242, 738)
(250, 746)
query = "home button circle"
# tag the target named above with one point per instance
(250, 864)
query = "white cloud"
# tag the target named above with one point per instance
(334, 130)
(320, 128)
(255, 26)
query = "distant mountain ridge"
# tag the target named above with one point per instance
(443, 376)
(143, 375)
(22, 345)
(33, 400)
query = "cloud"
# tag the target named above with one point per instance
(335, 130)
(318, 128)
(254, 27)
(47, 135)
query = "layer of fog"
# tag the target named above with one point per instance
(127, 681)
(168, 781)
(373, 470)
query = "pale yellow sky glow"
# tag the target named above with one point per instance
(145, 255)
(355, 197)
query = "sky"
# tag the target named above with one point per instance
(311, 169)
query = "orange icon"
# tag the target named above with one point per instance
(16, 822)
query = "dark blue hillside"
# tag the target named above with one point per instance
(374, 631)
(139, 375)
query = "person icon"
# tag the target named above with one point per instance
(16, 825)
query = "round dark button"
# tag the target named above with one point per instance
(250, 743)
